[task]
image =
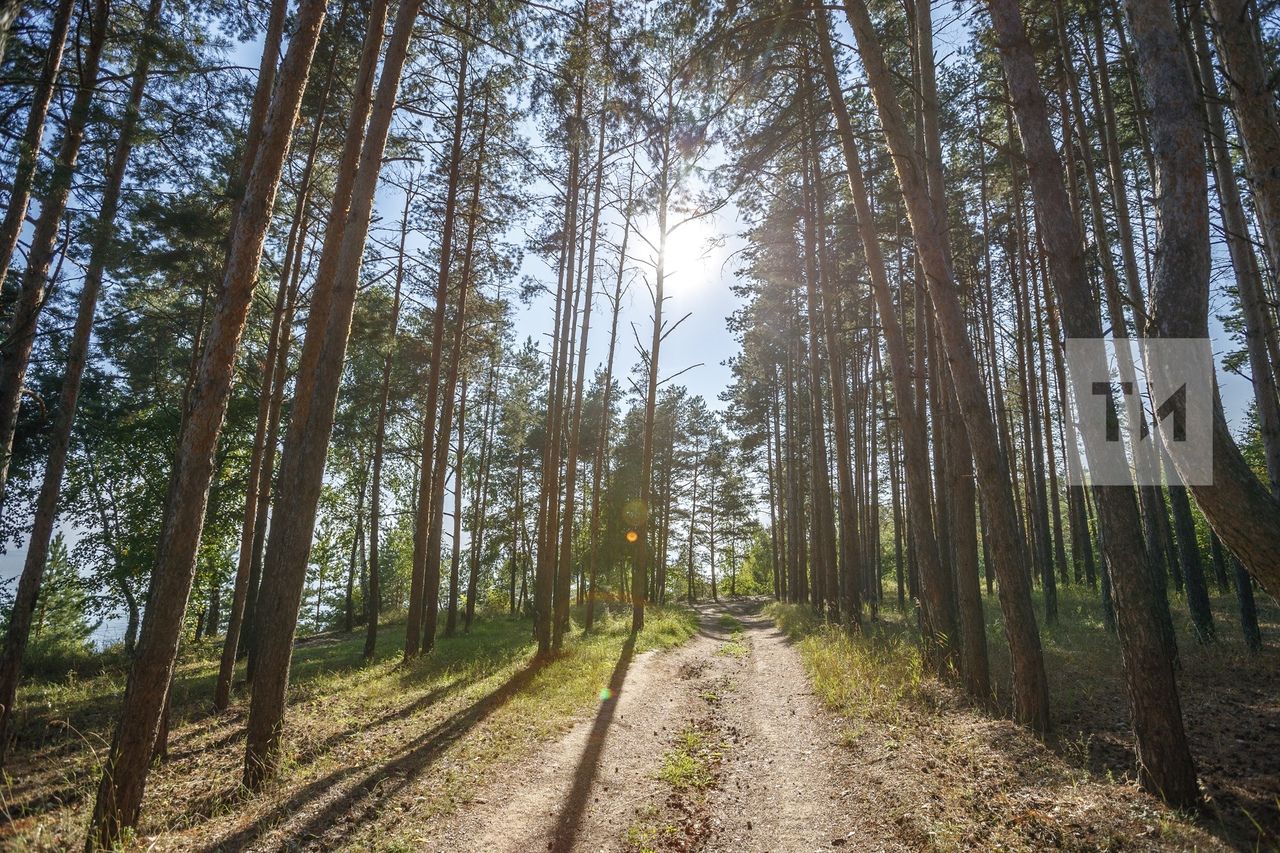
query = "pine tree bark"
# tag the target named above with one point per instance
(435, 537)
(305, 448)
(124, 777)
(423, 516)
(46, 508)
(20, 336)
(1249, 283)
(15, 214)
(1252, 90)
(258, 484)
(451, 620)
(1165, 764)
(602, 439)
(1237, 505)
(939, 630)
(575, 427)
(1030, 686)
(373, 603)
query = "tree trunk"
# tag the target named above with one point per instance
(15, 214)
(373, 602)
(1252, 91)
(435, 544)
(120, 794)
(602, 449)
(46, 508)
(939, 630)
(310, 429)
(1249, 284)
(1165, 764)
(423, 516)
(451, 621)
(258, 485)
(1237, 505)
(480, 504)
(20, 336)
(1030, 686)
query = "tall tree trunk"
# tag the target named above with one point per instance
(1237, 505)
(1251, 87)
(20, 336)
(451, 621)
(606, 396)
(46, 508)
(480, 501)
(1030, 686)
(311, 425)
(373, 603)
(823, 528)
(1165, 764)
(124, 777)
(258, 485)
(15, 214)
(939, 630)
(1249, 284)
(423, 515)
(641, 556)
(435, 543)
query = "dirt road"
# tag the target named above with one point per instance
(718, 745)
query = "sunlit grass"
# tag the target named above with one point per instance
(451, 718)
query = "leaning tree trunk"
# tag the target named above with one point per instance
(1238, 506)
(311, 427)
(258, 484)
(1165, 764)
(125, 773)
(1249, 283)
(37, 116)
(20, 336)
(928, 225)
(939, 629)
(1252, 92)
(46, 509)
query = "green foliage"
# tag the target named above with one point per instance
(61, 630)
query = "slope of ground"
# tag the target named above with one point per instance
(374, 750)
(948, 775)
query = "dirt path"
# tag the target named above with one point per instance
(768, 778)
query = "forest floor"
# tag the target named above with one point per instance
(732, 727)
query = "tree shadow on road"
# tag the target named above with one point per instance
(569, 821)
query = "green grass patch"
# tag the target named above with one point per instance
(738, 646)
(872, 674)
(688, 765)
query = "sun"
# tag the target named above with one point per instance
(692, 252)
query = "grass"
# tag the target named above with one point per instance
(985, 782)
(688, 765)
(737, 646)
(373, 750)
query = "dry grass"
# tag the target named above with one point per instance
(374, 752)
(948, 774)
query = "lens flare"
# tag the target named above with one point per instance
(605, 694)
(632, 536)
